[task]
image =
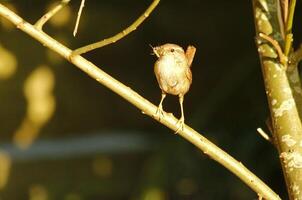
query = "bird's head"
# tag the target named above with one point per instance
(167, 49)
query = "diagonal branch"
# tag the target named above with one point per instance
(39, 24)
(144, 105)
(118, 36)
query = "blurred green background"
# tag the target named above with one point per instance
(64, 136)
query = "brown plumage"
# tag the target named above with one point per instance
(173, 73)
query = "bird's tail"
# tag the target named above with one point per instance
(190, 53)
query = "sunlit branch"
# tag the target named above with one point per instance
(289, 26)
(283, 90)
(78, 18)
(263, 134)
(284, 5)
(282, 58)
(39, 24)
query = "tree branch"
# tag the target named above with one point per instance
(78, 18)
(144, 105)
(287, 127)
(288, 29)
(282, 58)
(118, 36)
(39, 24)
(264, 135)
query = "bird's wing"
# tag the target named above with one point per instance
(189, 74)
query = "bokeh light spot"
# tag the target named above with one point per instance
(38, 192)
(154, 194)
(8, 64)
(5, 166)
(72, 196)
(186, 186)
(102, 166)
(38, 90)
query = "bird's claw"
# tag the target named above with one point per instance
(180, 124)
(159, 112)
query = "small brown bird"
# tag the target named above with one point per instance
(173, 74)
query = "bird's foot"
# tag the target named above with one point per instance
(180, 124)
(159, 112)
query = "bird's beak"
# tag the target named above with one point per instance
(154, 51)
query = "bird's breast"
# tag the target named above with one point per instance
(171, 75)
(170, 66)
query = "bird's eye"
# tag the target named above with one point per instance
(172, 50)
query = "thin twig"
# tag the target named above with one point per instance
(264, 134)
(144, 105)
(289, 23)
(39, 24)
(78, 18)
(118, 36)
(288, 43)
(282, 58)
(289, 26)
(284, 5)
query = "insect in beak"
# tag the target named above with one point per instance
(154, 50)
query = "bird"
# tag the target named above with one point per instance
(173, 73)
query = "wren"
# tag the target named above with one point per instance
(173, 74)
